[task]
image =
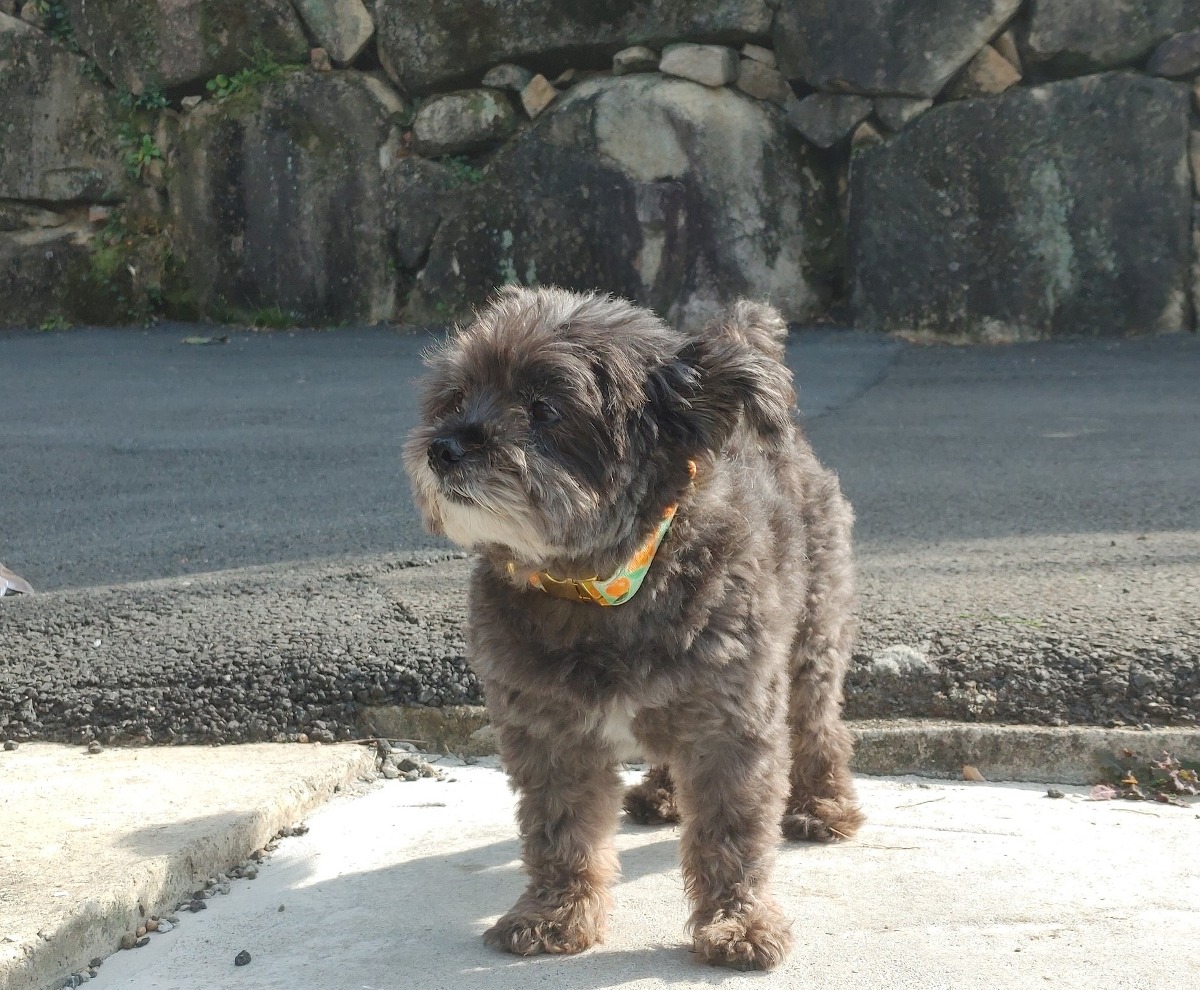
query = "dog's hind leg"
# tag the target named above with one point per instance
(569, 803)
(651, 801)
(730, 785)
(822, 805)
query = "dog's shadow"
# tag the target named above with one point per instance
(462, 894)
(442, 904)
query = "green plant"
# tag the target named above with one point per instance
(93, 71)
(58, 22)
(143, 152)
(129, 272)
(462, 171)
(151, 99)
(52, 323)
(222, 86)
(273, 318)
(263, 68)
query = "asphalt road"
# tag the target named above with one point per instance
(1028, 536)
(128, 455)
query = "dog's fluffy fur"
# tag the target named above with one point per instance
(572, 420)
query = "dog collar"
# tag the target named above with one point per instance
(622, 584)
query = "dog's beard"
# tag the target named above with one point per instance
(475, 514)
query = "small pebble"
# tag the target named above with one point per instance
(281, 908)
(170, 919)
(96, 963)
(128, 940)
(164, 926)
(93, 747)
(152, 925)
(1054, 792)
(142, 929)
(198, 905)
(11, 744)
(319, 59)
(242, 958)
(143, 942)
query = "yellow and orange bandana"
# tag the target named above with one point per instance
(620, 586)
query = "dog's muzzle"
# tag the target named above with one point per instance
(444, 454)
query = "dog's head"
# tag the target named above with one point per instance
(558, 426)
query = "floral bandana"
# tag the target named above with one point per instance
(620, 586)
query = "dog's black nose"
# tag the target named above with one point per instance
(444, 453)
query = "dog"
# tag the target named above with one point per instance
(663, 570)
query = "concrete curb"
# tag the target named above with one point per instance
(1053, 755)
(461, 729)
(153, 886)
(1059, 755)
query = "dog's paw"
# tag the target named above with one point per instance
(754, 942)
(823, 820)
(648, 804)
(533, 934)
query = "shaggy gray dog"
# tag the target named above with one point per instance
(664, 569)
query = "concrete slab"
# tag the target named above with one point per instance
(951, 885)
(90, 845)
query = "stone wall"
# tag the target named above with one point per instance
(986, 169)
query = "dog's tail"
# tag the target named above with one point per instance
(756, 324)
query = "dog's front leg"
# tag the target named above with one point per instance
(569, 800)
(731, 790)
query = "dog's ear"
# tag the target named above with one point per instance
(699, 397)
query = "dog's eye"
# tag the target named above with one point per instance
(543, 412)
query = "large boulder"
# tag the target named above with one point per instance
(58, 130)
(661, 190)
(451, 123)
(277, 198)
(37, 269)
(165, 43)
(418, 193)
(1058, 209)
(433, 45)
(1196, 262)
(1071, 37)
(884, 47)
(341, 27)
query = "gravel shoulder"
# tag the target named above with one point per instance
(1047, 631)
